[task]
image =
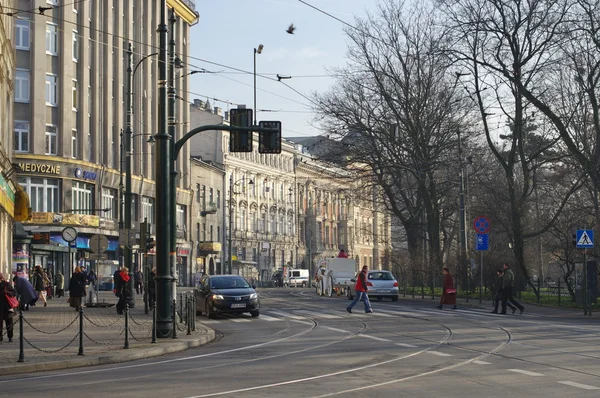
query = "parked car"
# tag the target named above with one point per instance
(226, 294)
(380, 284)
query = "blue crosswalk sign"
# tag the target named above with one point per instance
(585, 238)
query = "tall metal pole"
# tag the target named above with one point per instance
(173, 163)
(229, 247)
(255, 86)
(463, 238)
(164, 320)
(128, 137)
(121, 199)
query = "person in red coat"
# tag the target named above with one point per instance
(342, 254)
(448, 292)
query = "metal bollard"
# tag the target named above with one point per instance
(174, 319)
(154, 322)
(21, 345)
(559, 292)
(188, 315)
(180, 307)
(126, 346)
(80, 331)
(194, 312)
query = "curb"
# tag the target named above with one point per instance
(133, 354)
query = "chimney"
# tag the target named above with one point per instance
(218, 111)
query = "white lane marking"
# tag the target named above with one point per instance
(400, 313)
(406, 345)
(525, 372)
(210, 321)
(367, 336)
(319, 314)
(439, 354)
(337, 330)
(239, 320)
(579, 385)
(482, 362)
(377, 313)
(269, 318)
(286, 315)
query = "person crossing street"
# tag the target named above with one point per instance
(508, 281)
(361, 291)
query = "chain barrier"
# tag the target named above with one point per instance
(50, 333)
(141, 338)
(50, 351)
(143, 323)
(98, 325)
(106, 342)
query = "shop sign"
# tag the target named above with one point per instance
(214, 247)
(40, 168)
(7, 196)
(82, 220)
(42, 238)
(20, 262)
(85, 175)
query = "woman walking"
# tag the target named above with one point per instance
(39, 283)
(449, 292)
(6, 311)
(76, 288)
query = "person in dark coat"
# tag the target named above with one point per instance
(139, 282)
(500, 294)
(59, 282)
(122, 289)
(25, 292)
(39, 283)
(6, 312)
(508, 281)
(449, 293)
(76, 288)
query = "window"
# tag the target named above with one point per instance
(75, 46)
(22, 86)
(181, 217)
(23, 34)
(218, 199)
(218, 233)
(75, 94)
(204, 232)
(198, 233)
(253, 221)
(109, 202)
(53, 2)
(291, 226)
(51, 140)
(282, 225)
(273, 224)
(82, 201)
(262, 222)
(203, 197)
(74, 150)
(51, 39)
(210, 196)
(148, 209)
(51, 90)
(76, 7)
(242, 219)
(281, 192)
(211, 233)
(43, 193)
(197, 193)
(21, 136)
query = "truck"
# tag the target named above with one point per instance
(335, 275)
(295, 277)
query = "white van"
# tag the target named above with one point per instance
(297, 277)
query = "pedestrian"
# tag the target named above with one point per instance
(92, 278)
(152, 288)
(361, 289)
(7, 311)
(122, 289)
(76, 289)
(48, 283)
(38, 283)
(25, 292)
(508, 282)
(500, 294)
(59, 282)
(448, 292)
(342, 254)
(139, 281)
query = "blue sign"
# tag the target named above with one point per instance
(482, 225)
(482, 242)
(85, 175)
(585, 238)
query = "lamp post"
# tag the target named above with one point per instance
(256, 51)
(229, 244)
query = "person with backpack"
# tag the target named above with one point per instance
(508, 281)
(360, 289)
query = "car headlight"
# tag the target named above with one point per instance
(253, 296)
(217, 297)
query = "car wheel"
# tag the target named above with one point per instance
(209, 313)
(395, 298)
(254, 313)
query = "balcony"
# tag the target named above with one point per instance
(211, 208)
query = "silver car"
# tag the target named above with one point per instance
(380, 284)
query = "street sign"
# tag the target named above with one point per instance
(482, 225)
(585, 238)
(482, 242)
(98, 244)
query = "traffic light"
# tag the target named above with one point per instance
(143, 233)
(240, 141)
(574, 239)
(150, 243)
(269, 142)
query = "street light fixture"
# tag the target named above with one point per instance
(231, 193)
(256, 51)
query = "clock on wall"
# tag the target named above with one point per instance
(69, 234)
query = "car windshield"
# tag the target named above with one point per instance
(228, 283)
(381, 276)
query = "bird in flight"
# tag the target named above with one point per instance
(291, 29)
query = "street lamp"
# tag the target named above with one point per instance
(231, 193)
(256, 51)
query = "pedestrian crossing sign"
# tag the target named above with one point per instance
(585, 238)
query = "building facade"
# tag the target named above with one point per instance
(7, 184)
(69, 142)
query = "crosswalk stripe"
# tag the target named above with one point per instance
(406, 345)
(239, 320)
(399, 313)
(209, 321)
(286, 315)
(525, 372)
(579, 385)
(269, 318)
(439, 354)
(367, 336)
(478, 362)
(319, 314)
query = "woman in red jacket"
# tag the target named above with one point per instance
(449, 292)
(361, 291)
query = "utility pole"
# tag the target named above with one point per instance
(229, 248)
(463, 237)
(128, 201)
(164, 314)
(173, 163)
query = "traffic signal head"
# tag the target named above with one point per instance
(143, 228)
(150, 244)
(574, 239)
(240, 141)
(269, 142)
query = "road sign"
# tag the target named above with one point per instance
(482, 242)
(585, 238)
(98, 244)
(482, 225)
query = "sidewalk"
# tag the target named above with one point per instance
(52, 337)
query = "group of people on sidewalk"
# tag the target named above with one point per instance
(504, 293)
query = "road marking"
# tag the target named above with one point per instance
(269, 318)
(337, 330)
(525, 372)
(319, 314)
(367, 336)
(209, 321)
(377, 313)
(286, 315)
(239, 320)
(401, 313)
(482, 362)
(439, 354)
(406, 345)
(579, 385)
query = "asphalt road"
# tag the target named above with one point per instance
(307, 346)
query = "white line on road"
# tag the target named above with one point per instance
(336, 329)
(319, 314)
(400, 313)
(239, 320)
(481, 362)
(525, 372)
(209, 321)
(269, 318)
(579, 385)
(285, 315)
(367, 336)
(406, 345)
(439, 354)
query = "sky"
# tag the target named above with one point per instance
(228, 32)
